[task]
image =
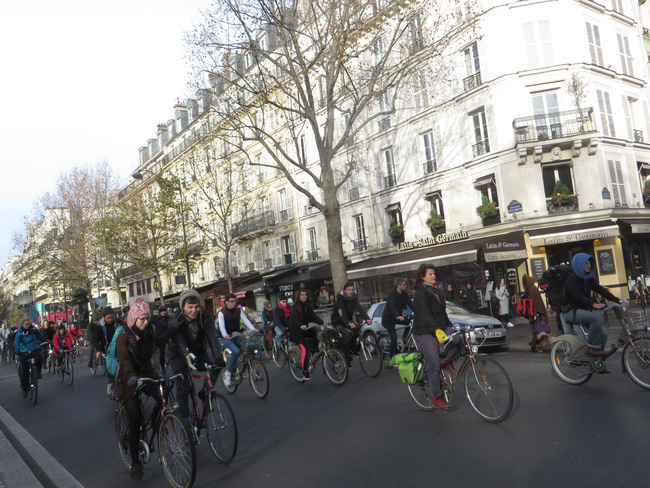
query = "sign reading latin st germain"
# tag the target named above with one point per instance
(432, 241)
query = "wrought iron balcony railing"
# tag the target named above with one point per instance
(312, 255)
(544, 127)
(253, 224)
(472, 81)
(390, 181)
(360, 244)
(429, 167)
(481, 148)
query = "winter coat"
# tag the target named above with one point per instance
(429, 310)
(280, 318)
(134, 357)
(301, 314)
(27, 340)
(504, 304)
(395, 305)
(187, 335)
(59, 342)
(103, 333)
(160, 324)
(345, 307)
(578, 286)
(469, 299)
(534, 294)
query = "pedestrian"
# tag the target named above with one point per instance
(539, 309)
(450, 293)
(503, 296)
(469, 298)
(396, 302)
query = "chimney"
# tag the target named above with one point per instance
(163, 135)
(144, 154)
(180, 114)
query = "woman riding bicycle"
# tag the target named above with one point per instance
(429, 315)
(302, 313)
(135, 348)
(60, 343)
(27, 344)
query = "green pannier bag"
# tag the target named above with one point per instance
(411, 367)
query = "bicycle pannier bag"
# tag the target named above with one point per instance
(411, 367)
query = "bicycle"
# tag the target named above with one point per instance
(374, 352)
(48, 357)
(32, 374)
(175, 448)
(280, 354)
(216, 417)
(77, 354)
(66, 370)
(99, 364)
(405, 345)
(572, 365)
(486, 383)
(334, 364)
(267, 338)
(249, 359)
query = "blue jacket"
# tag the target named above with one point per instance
(28, 340)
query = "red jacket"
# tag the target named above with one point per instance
(75, 334)
(61, 342)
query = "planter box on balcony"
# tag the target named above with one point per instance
(566, 205)
(436, 230)
(491, 220)
(397, 240)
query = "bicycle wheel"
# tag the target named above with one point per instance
(51, 366)
(567, 369)
(233, 386)
(60, 371)
(636, 358)
(488, 389)
(279, 355)
(122, 435)
(259, 378)
(93, 368)
(78, 355)
(33, 380)
(370, 356)
(268, 350)
(176, 451)
(336, 367)
(295, 367)
(221, 428)
(102, 366)
(69, 369)
(421, 394)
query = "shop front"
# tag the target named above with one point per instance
(315, 278)
(636, 253)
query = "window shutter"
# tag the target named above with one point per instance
(628, 119)
(531, 45)
(616, 178)
(292, 247)
(276, 252)
(289, 206)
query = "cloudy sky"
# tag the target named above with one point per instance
(83, 81)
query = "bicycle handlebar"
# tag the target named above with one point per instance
(152, 381)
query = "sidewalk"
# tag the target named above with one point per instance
(14, 469)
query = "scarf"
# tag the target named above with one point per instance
(287, 312)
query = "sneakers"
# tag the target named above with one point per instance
(226, 379)
(510, 324)
(440, 402)
(594, 352)
(24, 393)
(137, 471)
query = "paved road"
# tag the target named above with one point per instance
(370, 433)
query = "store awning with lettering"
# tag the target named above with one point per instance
(569, 236)
(505, 247)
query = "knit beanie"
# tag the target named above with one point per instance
(138, 309)
(189, 293)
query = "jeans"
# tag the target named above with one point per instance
(279, 331)
(178, 364)
(428, 345)
(597, 335)
(234, 344)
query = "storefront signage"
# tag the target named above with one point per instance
(432, 241)
(569, 237)
(514, 206)
(640, 229)
(606, 261)
(506, 247)
(539, 266)
(492, 257)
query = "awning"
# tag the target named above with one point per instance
(456, 253)
(637, 226)
(256, 285)
(505, 247)
(570, 236)
(311, 277)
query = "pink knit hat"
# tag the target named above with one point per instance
(138, 309)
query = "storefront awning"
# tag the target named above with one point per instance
(637, 226)
(570, 236)
(311, 276)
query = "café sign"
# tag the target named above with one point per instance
(432, 241)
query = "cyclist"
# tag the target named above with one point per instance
(160, 324)
(396, 301)
(281, 319)
(75, 332)
(4, 335)
(267, 320)
(27, 344)
(60, 343)
(578, 286)
(102, 336)
(347, 303)
(429, 315)
(47, 331)
(229, 319)
(302, 313)
(135, 348)
(192, 336)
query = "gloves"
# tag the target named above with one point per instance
(190, 361)
(132, 381)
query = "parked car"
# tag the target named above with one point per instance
(496, 334)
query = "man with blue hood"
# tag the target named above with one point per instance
(578, 287)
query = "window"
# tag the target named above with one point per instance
(551, 174)
(266, 254)
(360, 232)
(420, 90)
(378, 51)
(288, 244)
(593, 36)
(539, 45)
(628, 108)
(626, 57)
(312, 252)
(435, 200)
(394, 213)
(389, 161)
(547, 120)
(284, 200)
(605, 109)
(384, 109)
(417, 39)
(487, 187)
(472, 67)
(429, 153)
(481, 143)
(302, 151)
(616, 180)
(617, 6)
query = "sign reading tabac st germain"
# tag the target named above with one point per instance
(432, 241)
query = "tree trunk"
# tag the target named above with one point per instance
(334, 239)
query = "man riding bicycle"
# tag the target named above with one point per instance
(229, 318)
(347, 302)
(27, 345)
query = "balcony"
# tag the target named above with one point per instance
(256, 225)
(284, 215)
(481, 148)
(638, 135)
(268, 263)
(429, 167)
(390, 181)
(360, 244)
(312, 255)
(472, 81)
(545, 127)
(568, 205)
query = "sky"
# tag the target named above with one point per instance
(83, 81)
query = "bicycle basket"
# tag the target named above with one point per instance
(252, 345)
(329, 334)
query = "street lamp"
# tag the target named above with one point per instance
(138, 176)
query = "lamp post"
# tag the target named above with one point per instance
(138, 176)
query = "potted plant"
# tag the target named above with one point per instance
(562, 195)
(396, 231)
(487, 210)
(435, 221)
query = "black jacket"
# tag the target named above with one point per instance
(160, 324)
(429, 311)
(280, 319)
(301, 314)
(345, 307)
(185, 335)
(103, 333)
(395, 305)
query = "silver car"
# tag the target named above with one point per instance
(496, 334)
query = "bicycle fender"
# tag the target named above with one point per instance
(576, 343)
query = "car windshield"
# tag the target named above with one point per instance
(457, 309)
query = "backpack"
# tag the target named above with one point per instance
(552, 284)
(111, 353)
(525, 307)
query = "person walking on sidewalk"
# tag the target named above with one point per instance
(539, 308)
(503, 295)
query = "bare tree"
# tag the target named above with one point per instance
(333, 70)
